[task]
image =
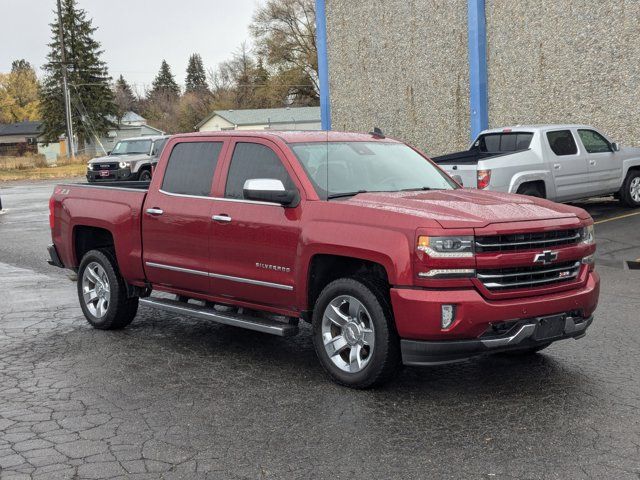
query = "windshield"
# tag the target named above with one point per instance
(128, 147)
(339, 168)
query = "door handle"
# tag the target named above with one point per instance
(221, 218)
(155, 211)
(592, 162)
(556, 166)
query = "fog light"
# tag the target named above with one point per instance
(448, 315)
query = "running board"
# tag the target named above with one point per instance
(233, 319)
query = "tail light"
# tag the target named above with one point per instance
(51, 216)
(484, 177)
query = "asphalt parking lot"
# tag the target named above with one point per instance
(173, 397)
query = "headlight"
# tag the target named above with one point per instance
(587, 235)
(124, 164)
(446, 247)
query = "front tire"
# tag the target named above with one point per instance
(630, 192)
(354, 335)
(103, 292)
(145, 176)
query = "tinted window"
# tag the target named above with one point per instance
(504, 142)
(158, 145)
(252, 160)
(190, 168)
(562, 142)
(594, 142)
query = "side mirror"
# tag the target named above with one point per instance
(109, 152)
(269, 190)
(458, 179)
(615, 147)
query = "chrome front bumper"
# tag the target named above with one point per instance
(525, 334)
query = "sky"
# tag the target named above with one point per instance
(135, 34)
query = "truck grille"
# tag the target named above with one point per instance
(527, 241)
(105, 166)
(528, 277)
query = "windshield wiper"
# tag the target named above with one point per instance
(345, 194)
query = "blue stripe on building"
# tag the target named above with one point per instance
(323, 64)
(478, 91)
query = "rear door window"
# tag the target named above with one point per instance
(190, 168)
(562, 142)
(251, 161)
(594, 142)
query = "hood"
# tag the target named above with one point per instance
(120, 158)
(465, 208)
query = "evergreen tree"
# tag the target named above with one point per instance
(164, 83)
(89, 83)
(124, 98)
(196, 80)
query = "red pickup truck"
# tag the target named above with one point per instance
(388, 258)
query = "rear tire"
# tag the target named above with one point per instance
(103, 292)
(630, 191)
(531, 191)
(354, 333)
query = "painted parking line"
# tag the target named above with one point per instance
(620, 217)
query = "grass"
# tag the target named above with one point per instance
(34, 168)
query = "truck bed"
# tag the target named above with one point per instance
(470, 157)
(128, 185)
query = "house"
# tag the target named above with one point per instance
(130, 125)
(290, 118)
(17, 139)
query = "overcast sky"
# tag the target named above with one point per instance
(135, 34)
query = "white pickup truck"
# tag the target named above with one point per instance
(558, 162)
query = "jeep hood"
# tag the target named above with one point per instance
(467, 208)
(120, 158)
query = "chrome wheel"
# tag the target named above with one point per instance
(96, 292)
(348, 334)
(634, 189)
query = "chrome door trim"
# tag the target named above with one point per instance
(183, 195)
(239, 200)
(177, 269)
(220, 276)
(251, 281)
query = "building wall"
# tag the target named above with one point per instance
(401, 65)
(565, 62)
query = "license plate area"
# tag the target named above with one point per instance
(105, 173)
(549, 327)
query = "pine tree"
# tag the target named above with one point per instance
(164, 83)
(124, 98)
(196, 80)
(92, 103)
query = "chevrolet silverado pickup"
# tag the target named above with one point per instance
(362, 236)
(559, 162)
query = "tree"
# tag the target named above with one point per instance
(19, 94)
(164, 83)
(124, 98)
(196, 80)
(92, 101)
(284, 33)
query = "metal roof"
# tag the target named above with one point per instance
(21, 128)
(267, 116)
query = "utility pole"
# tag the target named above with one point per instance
(65, 87)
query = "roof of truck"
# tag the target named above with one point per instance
(541, 127)
(295, 136)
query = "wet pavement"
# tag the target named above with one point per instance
(173, 397)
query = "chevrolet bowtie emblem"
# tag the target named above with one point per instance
(546, 257)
